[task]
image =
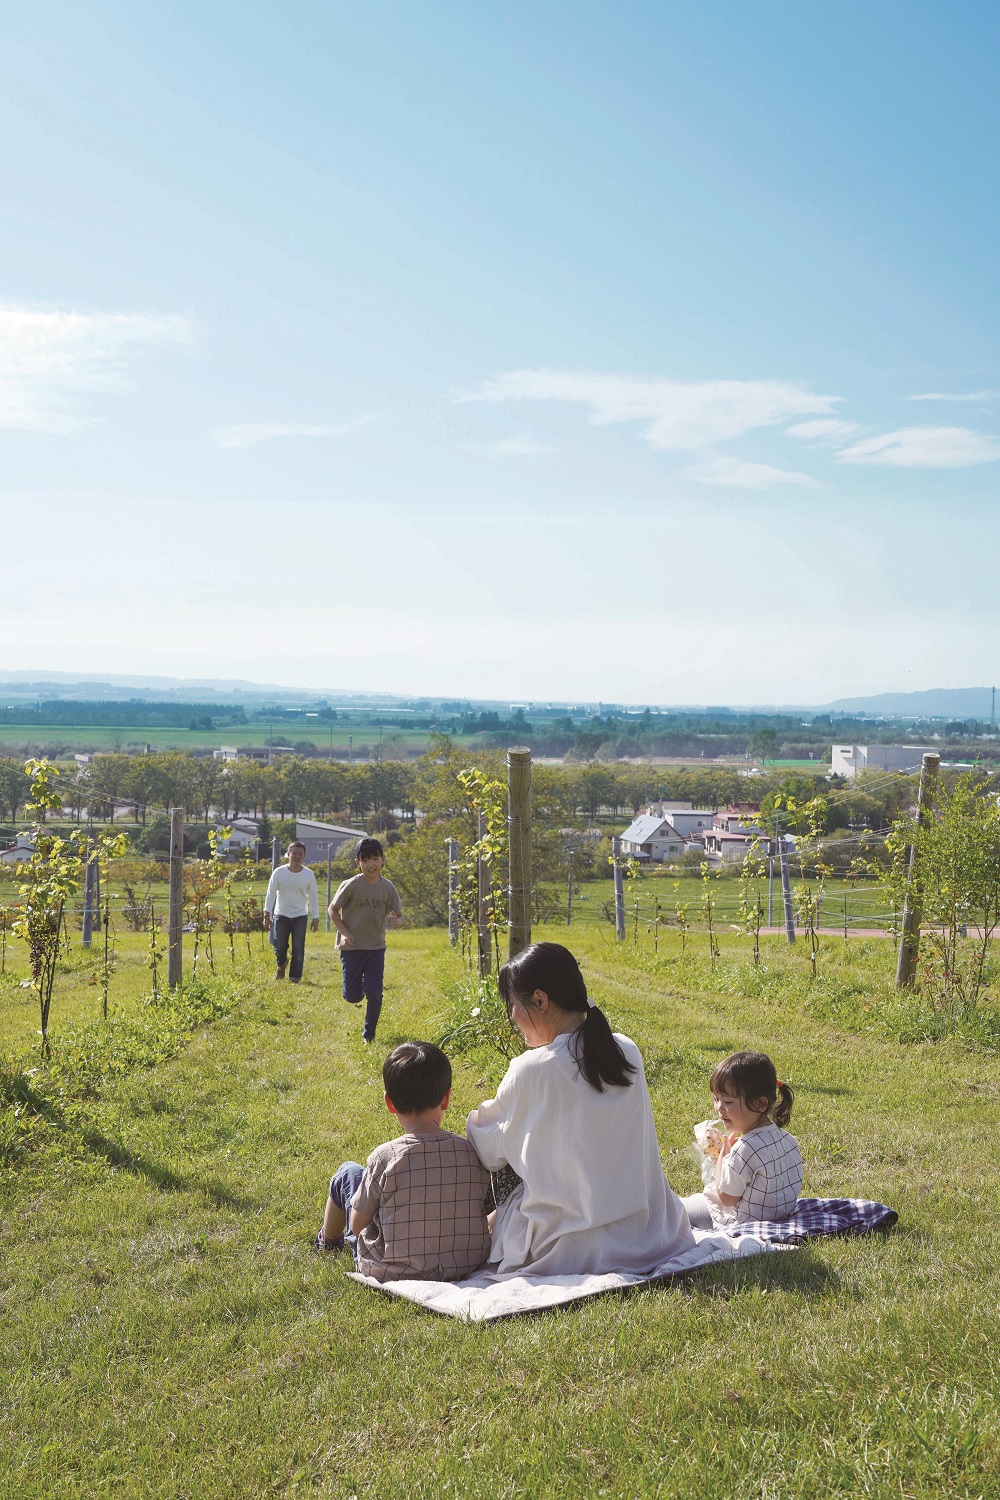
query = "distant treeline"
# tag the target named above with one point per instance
(133, 714)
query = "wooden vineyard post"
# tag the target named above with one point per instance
(616, 853)
(519, 847)
(483, 904)
(176, 912)
(913, 910)
(89, 903)
(452, 891)
(786, 887)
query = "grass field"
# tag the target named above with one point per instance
(169, 1331)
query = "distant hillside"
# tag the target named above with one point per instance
(932, 703)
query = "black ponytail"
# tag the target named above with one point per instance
(551, 968)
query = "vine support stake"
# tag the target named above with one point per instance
(786, 886)
(453, 891)
(483, 904)
(616, 853)
(909, 945)
(519, 847)
(89, 898)
(176, 917)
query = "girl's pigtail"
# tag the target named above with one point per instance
(598, 1055)
(782, 1111)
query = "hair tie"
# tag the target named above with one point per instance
(781, 1083)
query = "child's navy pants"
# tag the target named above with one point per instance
(363, 969)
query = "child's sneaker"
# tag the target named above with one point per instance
(320, 1244)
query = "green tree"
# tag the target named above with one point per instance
(957, 866)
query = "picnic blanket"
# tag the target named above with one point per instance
(816, 1217)
(487, 1296)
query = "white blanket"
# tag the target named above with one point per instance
(486, 1296)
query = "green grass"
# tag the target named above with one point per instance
(168, 1331)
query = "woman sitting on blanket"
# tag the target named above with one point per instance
(572, 1118)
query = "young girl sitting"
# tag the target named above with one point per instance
(758, 1174)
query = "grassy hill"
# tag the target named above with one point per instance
(169, 1331)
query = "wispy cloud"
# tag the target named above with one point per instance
(924, 448)
(246, 434)
(679, 414)
(956, 396)
(51, 360)
(740, 474)
(822, 431)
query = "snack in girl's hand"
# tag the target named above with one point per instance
(711, 1137)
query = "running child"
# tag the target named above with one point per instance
(758, 1174)
(360, 911)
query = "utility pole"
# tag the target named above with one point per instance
(909, 942)
(519, 849)
(175, 921)
(329, 892)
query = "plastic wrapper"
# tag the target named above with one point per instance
(709, 1139)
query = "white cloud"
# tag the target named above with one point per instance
(956, 396)
(740, 474)
(245, 434)
(828, 430)
(924, 448)
(49, 360)
(680, 414)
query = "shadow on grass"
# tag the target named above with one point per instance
(119, 1156)
(18, 1091)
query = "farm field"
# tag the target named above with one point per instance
(169, 1330)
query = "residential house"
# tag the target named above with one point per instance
(322, 839)
(652, 838)
(21, 849)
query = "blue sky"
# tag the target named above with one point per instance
(640, 352)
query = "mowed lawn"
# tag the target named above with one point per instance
(168, 1330)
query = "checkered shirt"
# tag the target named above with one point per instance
(763, 1170)
(427, 1195)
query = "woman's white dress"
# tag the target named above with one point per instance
(593, 1196)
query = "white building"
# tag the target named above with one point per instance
(848, 760)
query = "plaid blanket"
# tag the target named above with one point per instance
(815, 1217)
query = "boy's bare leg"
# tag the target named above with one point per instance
(334, 1223)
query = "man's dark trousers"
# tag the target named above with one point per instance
(294, 928)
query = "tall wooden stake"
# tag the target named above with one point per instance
(616, 855)
(453, 890)
(483, 906)
(176, 917)
(519, 846)
(88, 900)
(909, 945)
(786, 885)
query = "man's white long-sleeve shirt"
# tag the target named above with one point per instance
(292, 893)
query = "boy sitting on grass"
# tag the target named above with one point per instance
(417, 1208)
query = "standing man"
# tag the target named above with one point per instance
(290, 901)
